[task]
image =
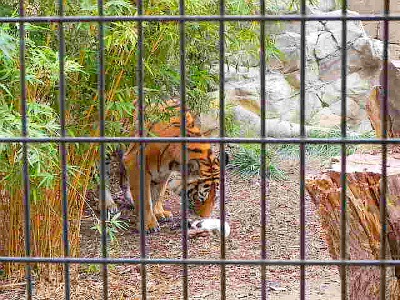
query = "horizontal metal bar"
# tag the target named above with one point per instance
(197, 18)
(338, 141)
(86, 260)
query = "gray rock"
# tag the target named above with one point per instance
(250, 125)
(322, 78)
(365, 126)
(312, 106)
(352, 109)
(289, 44)
(327, 5)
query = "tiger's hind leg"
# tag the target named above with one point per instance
(151, 223)
(157, 195)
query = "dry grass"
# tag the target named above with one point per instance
(46, 220)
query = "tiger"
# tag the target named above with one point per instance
(164, 159)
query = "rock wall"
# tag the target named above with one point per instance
(322, 79)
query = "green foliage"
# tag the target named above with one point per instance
(296, 4)
(113, 226)
(246, 162)
(161, 58)
(92, 269)
(42, 158)
(232, 129)
(2, 272)
(246, 158)
(324, 151)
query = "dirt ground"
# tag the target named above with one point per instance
(242, 282)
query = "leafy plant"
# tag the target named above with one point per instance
(113, 226)
(325, 151)
(231, 127)
(92, 269)
(246, 162)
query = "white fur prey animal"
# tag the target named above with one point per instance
(208, 225)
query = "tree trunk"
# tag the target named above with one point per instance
(363, 225)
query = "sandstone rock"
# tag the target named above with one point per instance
(324, 46)
(276, 87)
(209, 122)
(246, 92)
(239, 73)
(365, 126)
(243, 58)
(393, 118)
(322, 78)
(326, 118)
(352, 109)
(330, 92)
(369, 54)
(394, 51)
(312, 106)
(357, 88)
(250, 125)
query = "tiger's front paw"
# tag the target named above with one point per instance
(164, 216)
(111, 206)
(151, 225)
(152, 229)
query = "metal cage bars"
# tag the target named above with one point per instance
(263, 171)
(343, 126)
(302, 141)
(198, 18)
(383, 183)
(63, 151)
(184, 204)
(302, 150)
(22, 49)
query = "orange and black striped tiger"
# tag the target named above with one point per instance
(163, 159)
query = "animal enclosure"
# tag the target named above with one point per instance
(54, 160)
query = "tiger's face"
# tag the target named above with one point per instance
(203, 180)
(204, 192)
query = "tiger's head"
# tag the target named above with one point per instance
(203, 179)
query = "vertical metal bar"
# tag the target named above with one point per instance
(63, 150)
(343, 125)
(384, 111)
(101, 89)
(25, 170)
(142, 217)
(184, 205)
(222, 144)
(263, 154)
(302, 149)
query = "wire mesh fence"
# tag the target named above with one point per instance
(262, 18)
